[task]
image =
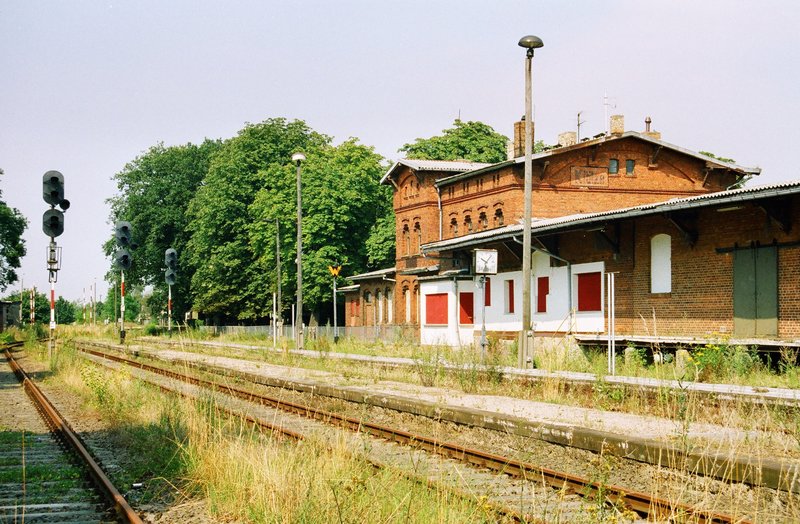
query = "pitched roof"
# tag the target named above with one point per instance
(710, 161)
(456, 166)
(570, 222)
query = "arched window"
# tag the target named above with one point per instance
(406, 240)
(407, 297)
(468, 223)
(417, 235)
(389, 307)
(379, 314)
(498, 217)
(454, 226)
(367, 297)
(483, 221)
(661, 264)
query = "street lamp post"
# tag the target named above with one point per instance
(530, 43)
(298, 158)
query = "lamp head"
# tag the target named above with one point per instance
(530, 43)
(298, 157)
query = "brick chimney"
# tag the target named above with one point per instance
(617, 125)
(517, 146)
(567, 138)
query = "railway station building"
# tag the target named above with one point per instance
(691, 254)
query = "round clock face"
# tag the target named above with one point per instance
(485, 261)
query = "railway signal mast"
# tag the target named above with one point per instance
(53, 226)
(170, 276)
(123, 259)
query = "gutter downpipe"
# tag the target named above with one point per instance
(439, 201)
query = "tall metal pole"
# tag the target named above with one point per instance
(279, 309)
(530, 43)
(169, 309)
(483, 320)
(335, 322)
(52, 316)
(33, 306)
(298, 158)
(122, 307)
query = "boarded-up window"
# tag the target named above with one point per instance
(542, 290)
(487, 292)
(589, 291)
(509, 296)
(466, 303)
(436, 309)
(354, 307)
(661, 264)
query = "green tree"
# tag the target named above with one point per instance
(473, 141)
(381, 243)
(12, 245)
(342, 201)
(229, 282)
(154, 194)
(66, 311)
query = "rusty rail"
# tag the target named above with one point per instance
(60, 426)
(640, 502)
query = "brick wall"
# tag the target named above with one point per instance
(701, 300)
(578, 181)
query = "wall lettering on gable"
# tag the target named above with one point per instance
(589, 176)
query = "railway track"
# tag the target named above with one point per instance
(46, 473)
(521, 490)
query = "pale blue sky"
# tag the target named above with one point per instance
(86, 86)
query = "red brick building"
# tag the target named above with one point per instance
(443, 208)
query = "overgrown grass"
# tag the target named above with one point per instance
(181, 448)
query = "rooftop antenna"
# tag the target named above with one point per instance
(606, 105)
(579, 125)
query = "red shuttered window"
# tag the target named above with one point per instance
(436, 309)
(509, 296)
(589, 291)
(466, 303)
(543, 289)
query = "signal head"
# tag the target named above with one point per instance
(170, 277)
(53, 188)
(123, 259)
(123, 233)
(171, 258)
(53, 222)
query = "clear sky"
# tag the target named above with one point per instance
(86, 86)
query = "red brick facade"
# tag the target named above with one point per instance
(432, 205)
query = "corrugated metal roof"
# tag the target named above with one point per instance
(373, 274)
(551, 225)
(434, 165)
(628, 134)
